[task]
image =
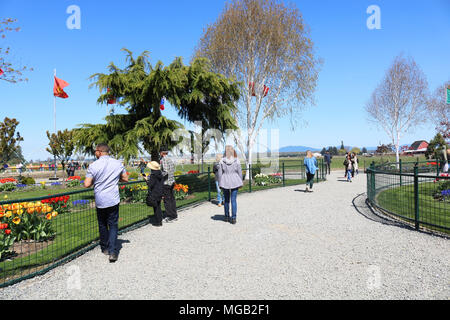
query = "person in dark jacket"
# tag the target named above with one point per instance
(327, 157)
(155, 191)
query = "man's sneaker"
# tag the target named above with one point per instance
(113, 257)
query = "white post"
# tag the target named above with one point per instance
(54, 121)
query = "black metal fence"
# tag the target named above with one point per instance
(417, 193)
(42, 232)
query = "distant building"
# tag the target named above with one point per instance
(418, 147)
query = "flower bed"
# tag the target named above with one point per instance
(133, 193)
(264, 179)
(7, 184)
(181, 191)
(25, 221)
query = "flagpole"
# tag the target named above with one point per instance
(54, 120)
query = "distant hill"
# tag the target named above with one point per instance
(297, 149)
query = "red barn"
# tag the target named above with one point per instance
(418, 147)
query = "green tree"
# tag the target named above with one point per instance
(364, 150)
(196, 93)
(61, 145)
(355, 150)
(9, 140)
(436, 148)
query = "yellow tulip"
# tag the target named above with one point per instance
(16, 220)
(48, 216)
(54, 214)
(8, 214)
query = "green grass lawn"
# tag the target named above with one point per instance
(400, 200)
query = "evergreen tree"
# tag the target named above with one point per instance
(436, 147)
(197, 94)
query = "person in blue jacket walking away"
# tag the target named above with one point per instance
(310, 163)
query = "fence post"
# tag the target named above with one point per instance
(372, 182)
(209, 183)
(400, 168)
(416, 197)
(437, 168)
(249, 177)
(284, 181)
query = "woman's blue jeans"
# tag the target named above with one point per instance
(230, 195)
(219, 193)
(349, 174)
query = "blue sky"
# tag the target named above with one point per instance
(355, 59)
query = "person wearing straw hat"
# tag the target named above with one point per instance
(167, 170)
(155, 191)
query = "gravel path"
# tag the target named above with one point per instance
(287, 244)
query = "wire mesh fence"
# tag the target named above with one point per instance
(416, 192)
(39, 233)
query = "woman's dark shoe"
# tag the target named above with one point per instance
(233, 221)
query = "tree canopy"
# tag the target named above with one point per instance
(61, 145)
(265, 45)
(197, 94)
(9, 140)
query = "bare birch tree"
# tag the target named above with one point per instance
(264, 45)
(399, 103)
(440, 110)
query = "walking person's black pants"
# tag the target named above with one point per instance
(309, 179)
(169, 202)
(328, 167)
(108, 228)
(158, 213)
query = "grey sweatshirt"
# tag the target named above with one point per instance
(230, 173)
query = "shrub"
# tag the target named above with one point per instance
(133, 175)
(26, 180)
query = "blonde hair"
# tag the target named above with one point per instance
(230, 152)
(309, 154)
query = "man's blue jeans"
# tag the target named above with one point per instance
(108, 227)
(230, 194)
(219, 193)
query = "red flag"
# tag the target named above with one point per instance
(58, 88)
(112, 100)
(265, 91)
(1, 72)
